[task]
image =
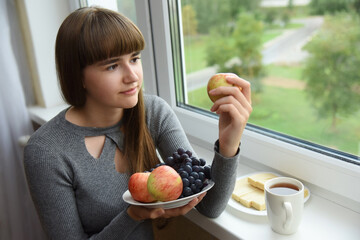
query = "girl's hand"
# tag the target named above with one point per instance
(234, 111)
(141, 213)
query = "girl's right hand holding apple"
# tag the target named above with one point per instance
(139, 213)
(233, 108)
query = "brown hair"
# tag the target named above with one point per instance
(92, 34)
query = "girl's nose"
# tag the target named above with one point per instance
(129, 74)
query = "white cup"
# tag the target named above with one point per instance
(284, 204)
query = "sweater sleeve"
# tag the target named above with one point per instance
(223, 173)
(50, 182)
(170, 135)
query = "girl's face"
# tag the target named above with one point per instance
(114, 82)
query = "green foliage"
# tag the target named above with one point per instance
(218, 50)
(289, 111)
(295, 11)
(240, 51)
(270, 16)
(189, 22)
(290, 4)
(357, 6)
(237, 6)
(248, 34)
(209, 15)
(330, 6)
(275, 17)
(285, 18)
(332, 70)
(220, 13)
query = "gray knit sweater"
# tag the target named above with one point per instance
(80, 197)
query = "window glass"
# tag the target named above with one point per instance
(126, 7)
(300, 58)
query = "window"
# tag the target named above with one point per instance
(127, 7)
(162, 64)
(258, 150)
(305, 84)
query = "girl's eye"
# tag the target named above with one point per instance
(112, 67)
(135, 59)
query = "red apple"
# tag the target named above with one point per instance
(138, 187)
(216, 81)
(165, 184)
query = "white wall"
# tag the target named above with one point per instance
(41, 21)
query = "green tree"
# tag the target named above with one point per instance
(237, 6)
(290, 5)
(219, 49)
(210, 14)
(248, 45)
(330, 6)
(270, 16)
(332, 70)
(239, 51)
(247, 36)
(285, 17)
(189, 22)
(357, 6)
(219, 13)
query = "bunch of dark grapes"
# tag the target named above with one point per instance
(193, 171)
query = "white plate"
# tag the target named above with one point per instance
(166, 205)
(239, 207)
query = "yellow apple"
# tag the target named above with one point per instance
(218, 80)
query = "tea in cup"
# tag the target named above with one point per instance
(284, 199)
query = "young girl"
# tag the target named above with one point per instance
(78, 164)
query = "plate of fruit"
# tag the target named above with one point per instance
(171, 184)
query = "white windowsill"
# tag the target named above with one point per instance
(324, 217)
(41, 115)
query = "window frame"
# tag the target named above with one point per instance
(257, 150)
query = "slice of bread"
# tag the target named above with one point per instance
(258, 180)
(241, 187)
(255, 199)
(306, 192)
(248, 195)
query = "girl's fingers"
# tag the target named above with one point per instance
(234, 113)
(156, 213)
(225, 101)
(233, 97)
(245, 85)
(140, 213)
(234, 91)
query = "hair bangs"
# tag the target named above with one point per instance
(106, 35)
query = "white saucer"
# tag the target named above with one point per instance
(252, 211)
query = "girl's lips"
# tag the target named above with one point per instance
(130, 91)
